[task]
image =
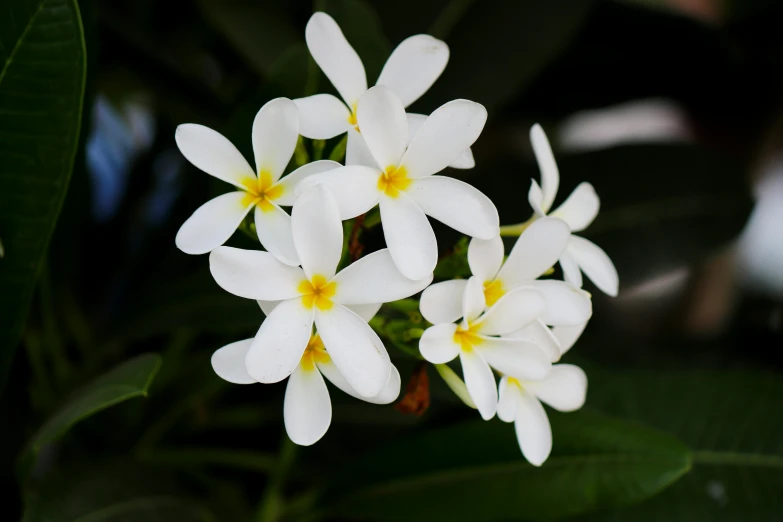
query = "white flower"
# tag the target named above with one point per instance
(314, 293)
(275, 131)
(520, 400)
(410, 70)
(479, 339)
(578, 211)
(402, 181)
(307, 409)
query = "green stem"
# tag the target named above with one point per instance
(273, 502)
(515, 230)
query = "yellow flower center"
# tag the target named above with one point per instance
(493, 290)
(513, 381)
(467, 338)
(352, 118)
(261, 191)
(314, 353)
(317, 292)
(394, 180)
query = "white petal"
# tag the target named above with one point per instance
(318, 232)
(515, 357)
(437, 343)
(211, 152)
(580, 209)
(564, 388)
(355, 348)
(536, 251)
(535, 197)
(267, 306)
(533, 431)
(568, 335)
(446, 134)
(480, 382)
(275, 131)
(409, 236)
(322, 116)
(254, 274)
(375, 279)
(290, 182)
(550, 176)
(307, 410)
(595, 264)
(213, 223)
(365, 311)
(514, 310)
(508, 400)
(273, 228)
(457, 204)
(414, 66)
(355, 188)
(455, 384)
(335, 56)
(280, 342)
(383, 125)
(485, 256)
(539, 333)
(356, 152)
(388, 395)
(571, 271)
(229, 362)
(442, 302)
(565, 305)
(473, 301)
(464, 160)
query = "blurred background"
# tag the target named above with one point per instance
(670, 108)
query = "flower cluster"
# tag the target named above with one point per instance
(504, 319)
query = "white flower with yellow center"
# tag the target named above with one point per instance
(578, 211)
(479, 339)
(275, 131)
(410, 70)
(402, 179)
(564, 389)
(314, 293)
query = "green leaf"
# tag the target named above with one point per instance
(475, 472)
(41, 91)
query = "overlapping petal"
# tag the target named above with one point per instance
(473, 301)
(565, 305)
(356, 152)
(571, 270)
(374, 278)
(213, 223)
(480, 382)
(290, 183)
(273, 227)
(211, 152)
(580, 208)
(322, 116)
(409, 236)
(388, 395)
(515, 357)
(513, 311)
(485, 257)
(550, 176)
(229, 362)
(317, 232)
(383, 125)
(254, 274)
(508, 400)
(534, 433)
(536, 251)
(595, 264)
(564, 388)
(463, 161)
(275, 131)
(538, 333)
(442, 302)
(437, 343)
(413, 67)
(307, 409)
(355, 188)
(568, 335)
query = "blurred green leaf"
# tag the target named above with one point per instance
(41, 92)
(475, 472)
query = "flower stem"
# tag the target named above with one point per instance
(515, 230)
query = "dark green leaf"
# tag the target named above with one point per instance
(41, 91)
(475, 472)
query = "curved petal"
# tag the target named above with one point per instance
(356, 152)
(444, 136)
(355, 188)
(437, 343)
(514, 310)
(457, 204)
(508, 400)
(564, 388)
(464, 160)
(273, 227)
(485, 257)
(480, 382)
(568, 335)
(365, 311)
(254, 274)
(355, 348)
(229, 362)
(289, 184)
(317, 232)
(213, 223)
(533, 431)
(267, 306)
(280, 342)
(595, 264)
(322, 116)
(550, 176)
(307, 409)
(538, 333)
(455, 384)
(413, 67)
(373, 279)
(473, 300)
(580, 209)
(536, 251)
(211, 152)
(565, 305)
(275, 131)
(383, 126)
(515, 357)
(442, 302)
(336, 58)
(388, 395)
(571, 271)
(535, 196)
(409, 236)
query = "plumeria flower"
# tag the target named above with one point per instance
(314, 294)
(564, 389)
(479, 339)
(275, 131)
(410, 70)
(402, 181)
(578, 210)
